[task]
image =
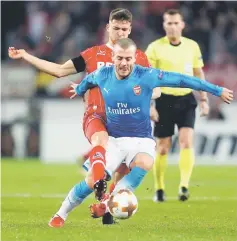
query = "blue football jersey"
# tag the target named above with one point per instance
(127, 101)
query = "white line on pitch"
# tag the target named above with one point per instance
(61, 195)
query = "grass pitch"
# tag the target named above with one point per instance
(32, 193)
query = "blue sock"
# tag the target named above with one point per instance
(80, 191)
(132, 180)
(74, 198)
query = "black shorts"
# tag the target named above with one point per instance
(174, 110)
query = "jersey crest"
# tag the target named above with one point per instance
(137, 89)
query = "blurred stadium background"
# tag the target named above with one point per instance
(38, 119)
(40, 124)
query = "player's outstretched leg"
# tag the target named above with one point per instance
(74, 198)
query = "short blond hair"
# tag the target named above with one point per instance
(126, 43)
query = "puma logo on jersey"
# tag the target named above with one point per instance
(101, 52)
(160, 75)
(107, 91)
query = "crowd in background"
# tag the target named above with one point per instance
(58, 31)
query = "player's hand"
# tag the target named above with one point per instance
(204, 108)
(154, 115)
(14, 53)
(156, 93)
(73, 91)
(227, 95)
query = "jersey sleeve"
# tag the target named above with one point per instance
(159, 78)
(151, 55)
(90, 81)
(197, 60)
(88, 53)
(142, 59)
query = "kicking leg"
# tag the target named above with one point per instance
(74, 198)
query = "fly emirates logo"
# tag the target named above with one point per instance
(123, 109)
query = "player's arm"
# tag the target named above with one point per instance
(199, 73)
(90, 81)
(72, 66)
(197, 68)
(203, 101)
(171, 79)
(156, 93)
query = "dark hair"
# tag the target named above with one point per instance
(173, 12)
(125, 43)
(120, 14)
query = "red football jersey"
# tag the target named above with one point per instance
(95, 58)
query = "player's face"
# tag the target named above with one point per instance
(173, 25)
(118, 29)
(124, 60)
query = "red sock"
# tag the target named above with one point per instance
(111, 187)
(97, 160)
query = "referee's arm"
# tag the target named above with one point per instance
(198, 72)
(197, 69)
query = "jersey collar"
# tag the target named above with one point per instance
(175, 45)
(134, 67)
(109, 46)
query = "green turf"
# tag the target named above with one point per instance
(209, 215)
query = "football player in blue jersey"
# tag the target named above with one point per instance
(127, 90)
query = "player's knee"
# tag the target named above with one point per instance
(100, 138)
(143, 161)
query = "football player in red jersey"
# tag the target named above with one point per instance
(119, 26)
